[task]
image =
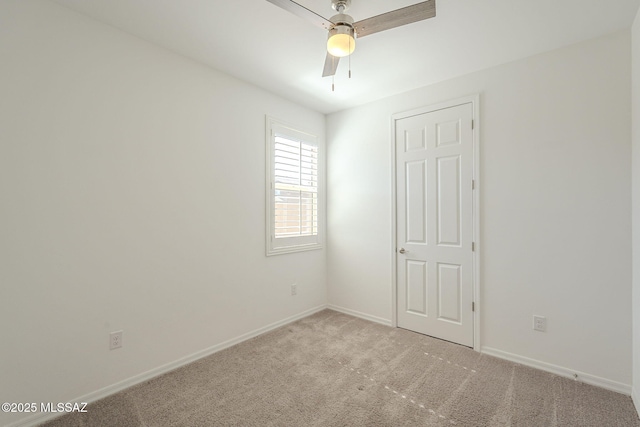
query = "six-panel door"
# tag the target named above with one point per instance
(434, 154)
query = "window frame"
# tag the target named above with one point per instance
(294, 244)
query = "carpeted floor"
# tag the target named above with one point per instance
(331, 369)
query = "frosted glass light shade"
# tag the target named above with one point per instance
(341, 41)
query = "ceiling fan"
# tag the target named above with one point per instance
(343, 30)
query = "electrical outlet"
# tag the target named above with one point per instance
(539, 323)
(115, 340)
(294, 289)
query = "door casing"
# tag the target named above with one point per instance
(475, 102)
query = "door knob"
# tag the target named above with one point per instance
(402, 250)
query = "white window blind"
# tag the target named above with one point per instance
(295, 188)
(293, 192)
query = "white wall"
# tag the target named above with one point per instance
(132, 197)
(635, 73)
(555, 206)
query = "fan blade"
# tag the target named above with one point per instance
(330, 65)
(396, 18)
(303, 13)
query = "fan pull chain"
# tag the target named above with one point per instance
(333, 76)
(349, 58)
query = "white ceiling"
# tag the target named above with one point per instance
(258, 42)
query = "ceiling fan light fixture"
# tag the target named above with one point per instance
(343, 29)
(341, 41)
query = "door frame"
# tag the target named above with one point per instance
(474, 100)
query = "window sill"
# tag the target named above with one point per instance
(293, 249)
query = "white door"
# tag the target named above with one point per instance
(434, 155)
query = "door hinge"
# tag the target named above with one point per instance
(473, 306)
(473, 246)
(473, 184)
(473, 124)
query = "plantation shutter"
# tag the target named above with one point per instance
(295, 188)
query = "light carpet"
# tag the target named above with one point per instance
(331, 369)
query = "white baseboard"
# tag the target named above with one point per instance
(560, 370)
(635, 396)
(36, 419)
(365, 316)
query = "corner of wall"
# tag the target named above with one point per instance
(635, 212)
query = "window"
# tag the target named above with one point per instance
(293, 197)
